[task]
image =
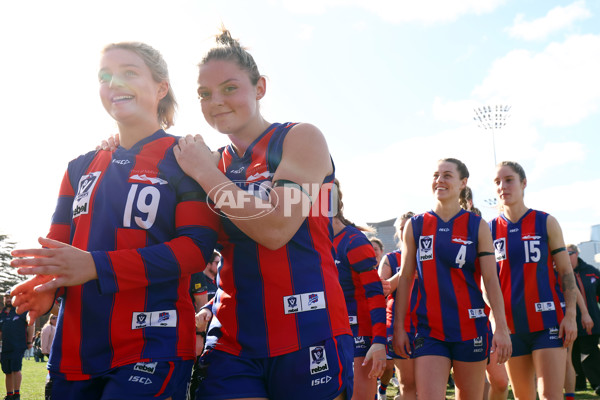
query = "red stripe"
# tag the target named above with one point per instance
(430, 281)
(287, 324)
(227, 299)
(468, 329)
(505, 275)
(126, 302)
(71, 358)
(186, 323)
(530, 277)
(147, 160)
(167, 379)
(340, 364)
(65, 187)
(188, 255)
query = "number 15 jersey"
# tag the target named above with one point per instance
(532, 296)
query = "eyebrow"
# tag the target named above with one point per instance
(222, 83)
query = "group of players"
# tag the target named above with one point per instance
(133, 223)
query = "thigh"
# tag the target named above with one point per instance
(521, 373)
(364, 387)
(469, 378)
(550, 369)
(431, 373)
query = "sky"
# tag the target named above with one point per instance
(392, 84)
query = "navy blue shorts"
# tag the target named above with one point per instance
(321, 371)
(472, 350)
(362, 344)
(526, 343)
(155, 380)
(12, 362)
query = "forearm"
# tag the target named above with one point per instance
(569, 290)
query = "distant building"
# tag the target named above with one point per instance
(590, 251)
(385, 232)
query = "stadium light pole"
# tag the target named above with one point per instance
(492, 118)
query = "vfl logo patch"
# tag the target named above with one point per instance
(426, 248)
(500, 249)
(545, 306)
(478, 341)
(360, 342)
(476, 313)
(318, 360)
(304, 302)
(81, 203)
(353, 319)
(161, 319)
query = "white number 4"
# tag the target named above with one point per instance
(461, 256)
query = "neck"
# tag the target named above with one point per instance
(131, 134)
(209, 274)
(447, 210)
(243, 138)
(514, 212)
(338, 225)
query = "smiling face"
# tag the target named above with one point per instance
(230, 102)
(447, 183)
(127, 90)
(509, 186)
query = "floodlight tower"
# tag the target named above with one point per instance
(492, 118)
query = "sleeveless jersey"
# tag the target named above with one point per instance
(451, 305)
(274, 302)
(148, 228)
(356, 263)
(394, 259)
(529, 283)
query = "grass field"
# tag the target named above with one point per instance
(34, 379)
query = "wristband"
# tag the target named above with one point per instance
(200, 333)
(28, 342)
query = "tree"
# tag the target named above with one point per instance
(8, 275)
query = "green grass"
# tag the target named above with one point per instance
(34, 380)
(588, 394)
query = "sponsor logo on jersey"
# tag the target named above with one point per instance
(121, 162)
(147, 367)
(237, 171)
(144, 178)
(353, 319)
(460, 240)
(513, 230)
(162, 319)
(318, 360)
(426, 248)
(304, 302)
(476, 313)
(530, 237)
(500, 249)
(545, 306)
(84, 193)
(444, 230)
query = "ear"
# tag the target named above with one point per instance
(261, 88)
(163, 89)
(524, 183)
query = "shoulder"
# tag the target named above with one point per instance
(305, 134)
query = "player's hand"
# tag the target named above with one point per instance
(387, 287)
(376, 354)
(67, 265)
(194, 156)
(110, 144)
(26, 299)
(568, 331)
(501, 345)
(203, 317)
(587, 323)
(401, 343)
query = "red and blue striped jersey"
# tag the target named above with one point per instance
(273, 302)
(529, 282)
(395, 260)
(148, 227)
(451, 306)
(357, 268)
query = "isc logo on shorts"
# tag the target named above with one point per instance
(318, 360)
(500, 249)
(426, 248)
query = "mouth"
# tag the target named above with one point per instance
(221, 114)
(122, 98)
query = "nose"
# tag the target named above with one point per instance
(115, 81)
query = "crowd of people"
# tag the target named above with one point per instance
(183, 272)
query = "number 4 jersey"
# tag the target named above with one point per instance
(532, 296)
(148, 227)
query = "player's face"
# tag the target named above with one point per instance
(127, 90)
(509, 186)
(213, 267)
(230, 102)
(378, 252)
(446, 181)
(573, 258)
